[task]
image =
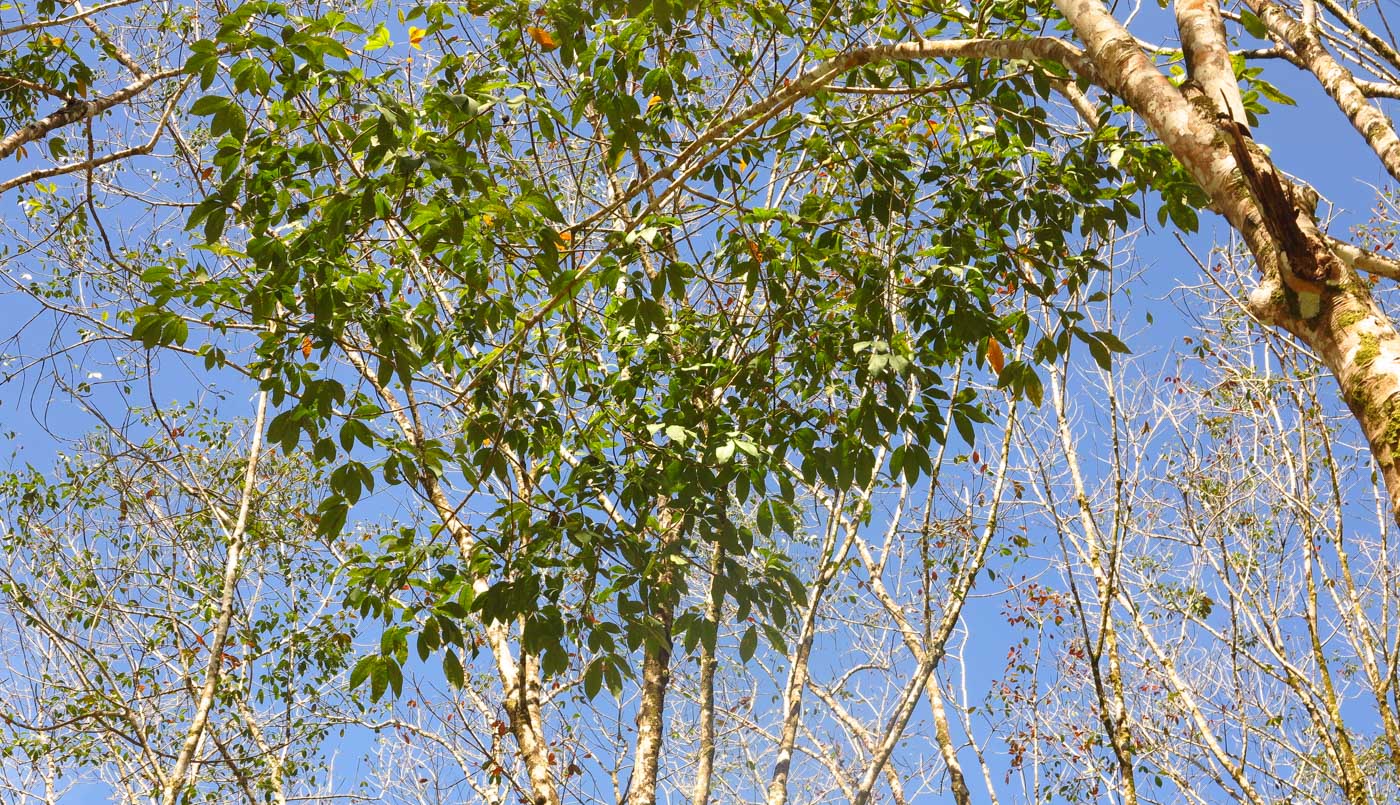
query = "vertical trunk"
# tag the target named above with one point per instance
(957, 781)
(520, 700)
(520, 681)
(656, 677)
(1353, 785)
(656, 668)
(237, 532)
(708, 662)
(1113, 709)
(833, 555)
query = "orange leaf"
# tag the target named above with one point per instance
(994, 356)
(543, 38)
(415, 37)
(306, 346)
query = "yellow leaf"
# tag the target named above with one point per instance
(994, 355)
(415, 37)
(543, 38)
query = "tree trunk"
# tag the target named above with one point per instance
(656, 666)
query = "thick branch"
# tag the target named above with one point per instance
(1336, 80)
(656, 670)
(97, 162)
(1207, 58)
(75, 111)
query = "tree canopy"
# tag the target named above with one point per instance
(635, 401)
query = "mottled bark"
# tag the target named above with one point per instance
(704, 770)
(656, 670)
(1202, 31)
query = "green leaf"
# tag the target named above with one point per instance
(748, 644)
(379, 679)
(209, 105)
(593, 679)
(452, 668)
(362, 670)
(379, 39)
(1253, 24)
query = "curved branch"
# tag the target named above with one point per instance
(97, 162)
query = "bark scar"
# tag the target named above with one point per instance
(1279, 213)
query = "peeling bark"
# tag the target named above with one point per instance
(1340, 320)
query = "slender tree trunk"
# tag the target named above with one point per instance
(656, 669)
(708, 662)
(520, 681)
(833, 554)
(1113, 708)
(237, 532)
